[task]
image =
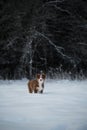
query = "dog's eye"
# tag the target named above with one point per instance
(38, 76)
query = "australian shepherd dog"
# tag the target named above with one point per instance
(37, 85)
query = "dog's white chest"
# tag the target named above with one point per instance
(40, 86)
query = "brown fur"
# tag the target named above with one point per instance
(33, 84)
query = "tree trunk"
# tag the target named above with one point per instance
(30, 61)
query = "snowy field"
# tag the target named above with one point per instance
(62, 106)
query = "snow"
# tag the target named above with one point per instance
(62, 106)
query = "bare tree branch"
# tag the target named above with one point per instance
(53, 2)
(59, 49)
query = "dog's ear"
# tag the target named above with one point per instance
(43, 76)
(38, 76)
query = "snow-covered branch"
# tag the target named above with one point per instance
(59, 49)
(56, 47)
(63, 10)
(53, 2)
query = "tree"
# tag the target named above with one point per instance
(42, 35)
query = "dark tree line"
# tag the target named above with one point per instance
(47, 35)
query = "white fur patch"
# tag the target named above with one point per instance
(40, 81)
(40, 87)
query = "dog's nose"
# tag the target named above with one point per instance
(40, 79)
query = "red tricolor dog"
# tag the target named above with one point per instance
(37, 85)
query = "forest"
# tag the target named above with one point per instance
(43, 35)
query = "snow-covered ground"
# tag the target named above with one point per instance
(62, 106)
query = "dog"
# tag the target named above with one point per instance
(37, 85)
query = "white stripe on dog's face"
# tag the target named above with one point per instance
(40, 81)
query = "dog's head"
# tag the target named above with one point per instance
(41, 77)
